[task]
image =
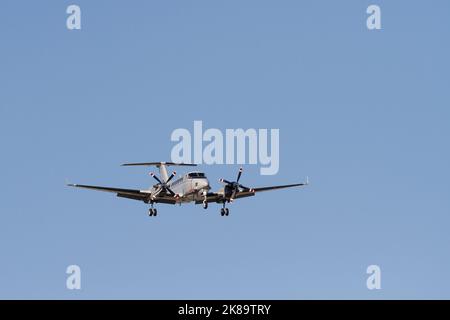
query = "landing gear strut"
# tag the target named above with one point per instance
(205, 199)
(224, 211)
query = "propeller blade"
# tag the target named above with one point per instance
(154, 176)
(170, 191)
(225, 181)
(239, 174)
(171, 176)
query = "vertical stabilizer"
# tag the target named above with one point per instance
(163, 171)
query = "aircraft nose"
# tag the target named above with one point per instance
(202, 184)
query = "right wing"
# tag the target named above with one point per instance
(142, 195)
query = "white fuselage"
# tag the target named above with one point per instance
(191, 187)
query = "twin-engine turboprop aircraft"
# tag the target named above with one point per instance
(191, 187)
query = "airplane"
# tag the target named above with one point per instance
(191, 187)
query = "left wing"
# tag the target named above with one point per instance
(279, 187)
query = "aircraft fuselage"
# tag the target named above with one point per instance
(191, 186)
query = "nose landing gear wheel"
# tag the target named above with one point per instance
(152, 212)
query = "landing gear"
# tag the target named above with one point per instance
(224, 211)
(152, 212)
(205, 205)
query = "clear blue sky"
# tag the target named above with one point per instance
(365, 114)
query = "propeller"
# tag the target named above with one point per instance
(171, 176)
(163, 185)
(232, 187)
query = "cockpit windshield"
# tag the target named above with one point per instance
(196, 175)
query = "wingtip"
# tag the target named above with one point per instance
(68, 183)
(129, 164)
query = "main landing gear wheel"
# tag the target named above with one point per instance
(152, 212)
(224, 212)
(205, 205)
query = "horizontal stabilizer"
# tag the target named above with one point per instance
(158, 164)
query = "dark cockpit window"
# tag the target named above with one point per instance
(196, 175)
